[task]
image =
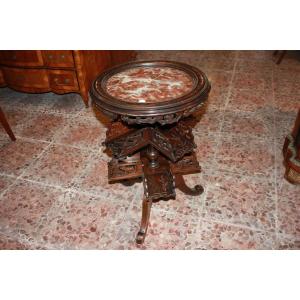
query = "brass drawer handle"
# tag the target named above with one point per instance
(62, 56)
(50, 56)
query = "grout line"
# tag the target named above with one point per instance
(223, 117)
(238, 225)
(275, 166)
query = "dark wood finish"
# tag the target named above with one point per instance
(61, 81)
(165, 112)
(58, 58)
(2, 81)
(278, 56)
(146, 210)
(21, 58)
(59, 71)
(6, 126)
(152, 141)
(27, 80)
(291, 153)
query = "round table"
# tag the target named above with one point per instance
(149, 136)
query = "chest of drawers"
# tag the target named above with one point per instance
(58, 71)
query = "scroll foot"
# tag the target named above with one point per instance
(145, 221)
(181, 185)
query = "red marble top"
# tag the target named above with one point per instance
(149, 84)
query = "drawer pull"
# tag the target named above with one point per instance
(14, 57)
(62, 56)
(67, 80)
(50, 56)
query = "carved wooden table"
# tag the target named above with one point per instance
(149, 136)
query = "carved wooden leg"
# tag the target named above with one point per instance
(6, 125)
(145, 221)
(181, 185)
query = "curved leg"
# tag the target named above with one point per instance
(145, 221)
(181, 185)
(6, 125)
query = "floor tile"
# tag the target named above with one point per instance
(249, 100)
(252, 81)
(37, 102)
(220, 236)
(85, 133)
(78, 221)
(218, 64)
(284, 124)
(218, 97)
(289, 209)
(94, 180)
(68, 104)
(254, 66)
(254, 54)
(59, 165)
(247, 156)
(23, 204)
(43, 127)
(7, 243)
(248, 124)
(208, 121)
(206, 149)
(288, 243)
(10, 98)
(287, 103)
(241, 200)
(224, 54)
(5, 181)
(17, 119)
(219, 79)
(286, 86)
(166, 231)
(18, 155)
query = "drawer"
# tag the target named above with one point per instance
(27, 78)
(58, 58)
(2, 81)
(63, 80)
(22, 58)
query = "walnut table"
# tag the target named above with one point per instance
(150, 136)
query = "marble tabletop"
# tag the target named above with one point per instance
(149, 84)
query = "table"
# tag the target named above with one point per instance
(150, 137)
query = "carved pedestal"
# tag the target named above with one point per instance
(150, 137)
(160, 155)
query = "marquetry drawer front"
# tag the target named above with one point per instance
(22, 58)
(63, 80)
(27, 78)
(58, 58)
(2, 81)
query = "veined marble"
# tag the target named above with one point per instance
(149, 84)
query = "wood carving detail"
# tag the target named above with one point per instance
(150, 137)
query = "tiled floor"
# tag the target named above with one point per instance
(53, 188)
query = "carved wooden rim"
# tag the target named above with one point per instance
(113, 105)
